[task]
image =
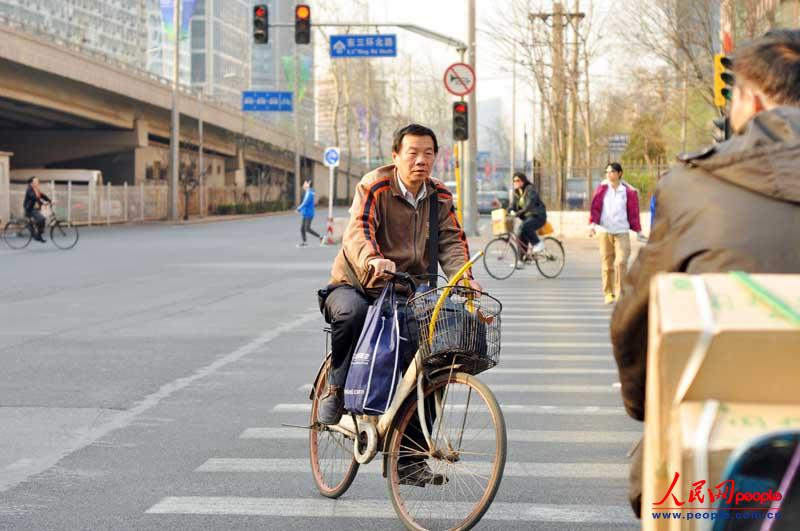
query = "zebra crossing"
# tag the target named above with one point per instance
(568, 434)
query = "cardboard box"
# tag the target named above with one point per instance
(735, 423)
(754, 358)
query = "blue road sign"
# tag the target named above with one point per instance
(254, 100)
(363, 46)
(331, 156)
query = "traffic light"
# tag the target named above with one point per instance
(460, 121)
(261, 24)
(302, 24)
(723, 79)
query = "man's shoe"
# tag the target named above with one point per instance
(39, 238)
(331, 406)
(609, 298)
(418, 474)
(538, 248)
(302, 244)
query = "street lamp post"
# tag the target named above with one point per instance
(174, 136)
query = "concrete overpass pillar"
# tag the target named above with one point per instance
(5, 185)
(234, 169)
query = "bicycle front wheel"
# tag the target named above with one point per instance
(17, 234)
(451, 486)
(64, 235)
(550, 261)
(500, 258)
(333, 463)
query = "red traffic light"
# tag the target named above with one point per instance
(261, 11)
(460, 107)
(302, 12)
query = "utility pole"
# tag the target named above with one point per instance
(471, 151)
(572, 111)
(685, 106)
(557, 115)
(175, 134)
(201, 169)
(513, 126)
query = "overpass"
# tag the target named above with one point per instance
(65, 107)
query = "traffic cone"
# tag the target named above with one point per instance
(328, 238)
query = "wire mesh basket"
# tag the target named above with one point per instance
(466, 329)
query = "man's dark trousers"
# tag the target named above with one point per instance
(345, 310)
(38, 220)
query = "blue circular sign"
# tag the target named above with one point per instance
(331, 156)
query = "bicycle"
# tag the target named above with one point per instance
(501, 255)
(459, 438)
(18, 233)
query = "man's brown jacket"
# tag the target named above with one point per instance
(733, 206)
(384, 225)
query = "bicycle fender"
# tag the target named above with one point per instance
(320, 372)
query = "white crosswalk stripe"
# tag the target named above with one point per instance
(382, 508)
(514, 436)
(513, 469)
(507, 409)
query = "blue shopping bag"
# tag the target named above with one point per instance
(376, 365)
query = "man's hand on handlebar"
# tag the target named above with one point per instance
(382, 267)
(474, 284)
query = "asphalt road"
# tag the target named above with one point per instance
(147, 372)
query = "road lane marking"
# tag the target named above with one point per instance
(534, 388)
(557, 344)
(507, 409)
(557, 357)
(515, 436)
(533, 325)
(558, 317)
(319, 507)
(559, 370)
(125, 418)
(512, 469)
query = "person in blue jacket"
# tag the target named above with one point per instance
(306, 210)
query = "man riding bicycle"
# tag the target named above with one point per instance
(34, 199)
(387, 232)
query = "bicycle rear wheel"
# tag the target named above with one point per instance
(64, 235)
(500, 258)
(550, 262)
(17, 234)
(469, 435)
(332, 461)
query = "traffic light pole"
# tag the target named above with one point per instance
(296, 104)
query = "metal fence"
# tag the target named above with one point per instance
(85, 204)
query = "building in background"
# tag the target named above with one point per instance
(113, 28)
(220, 40)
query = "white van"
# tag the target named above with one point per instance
(58, 176)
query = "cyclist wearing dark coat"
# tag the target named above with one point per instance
(529, 208)
(35, 198)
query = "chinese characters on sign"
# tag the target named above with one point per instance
(363, 46)
(266, 101)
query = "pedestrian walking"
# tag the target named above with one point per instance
(730, 206)
(614, 213)
(306, 210)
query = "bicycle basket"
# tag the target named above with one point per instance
(466, 330)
